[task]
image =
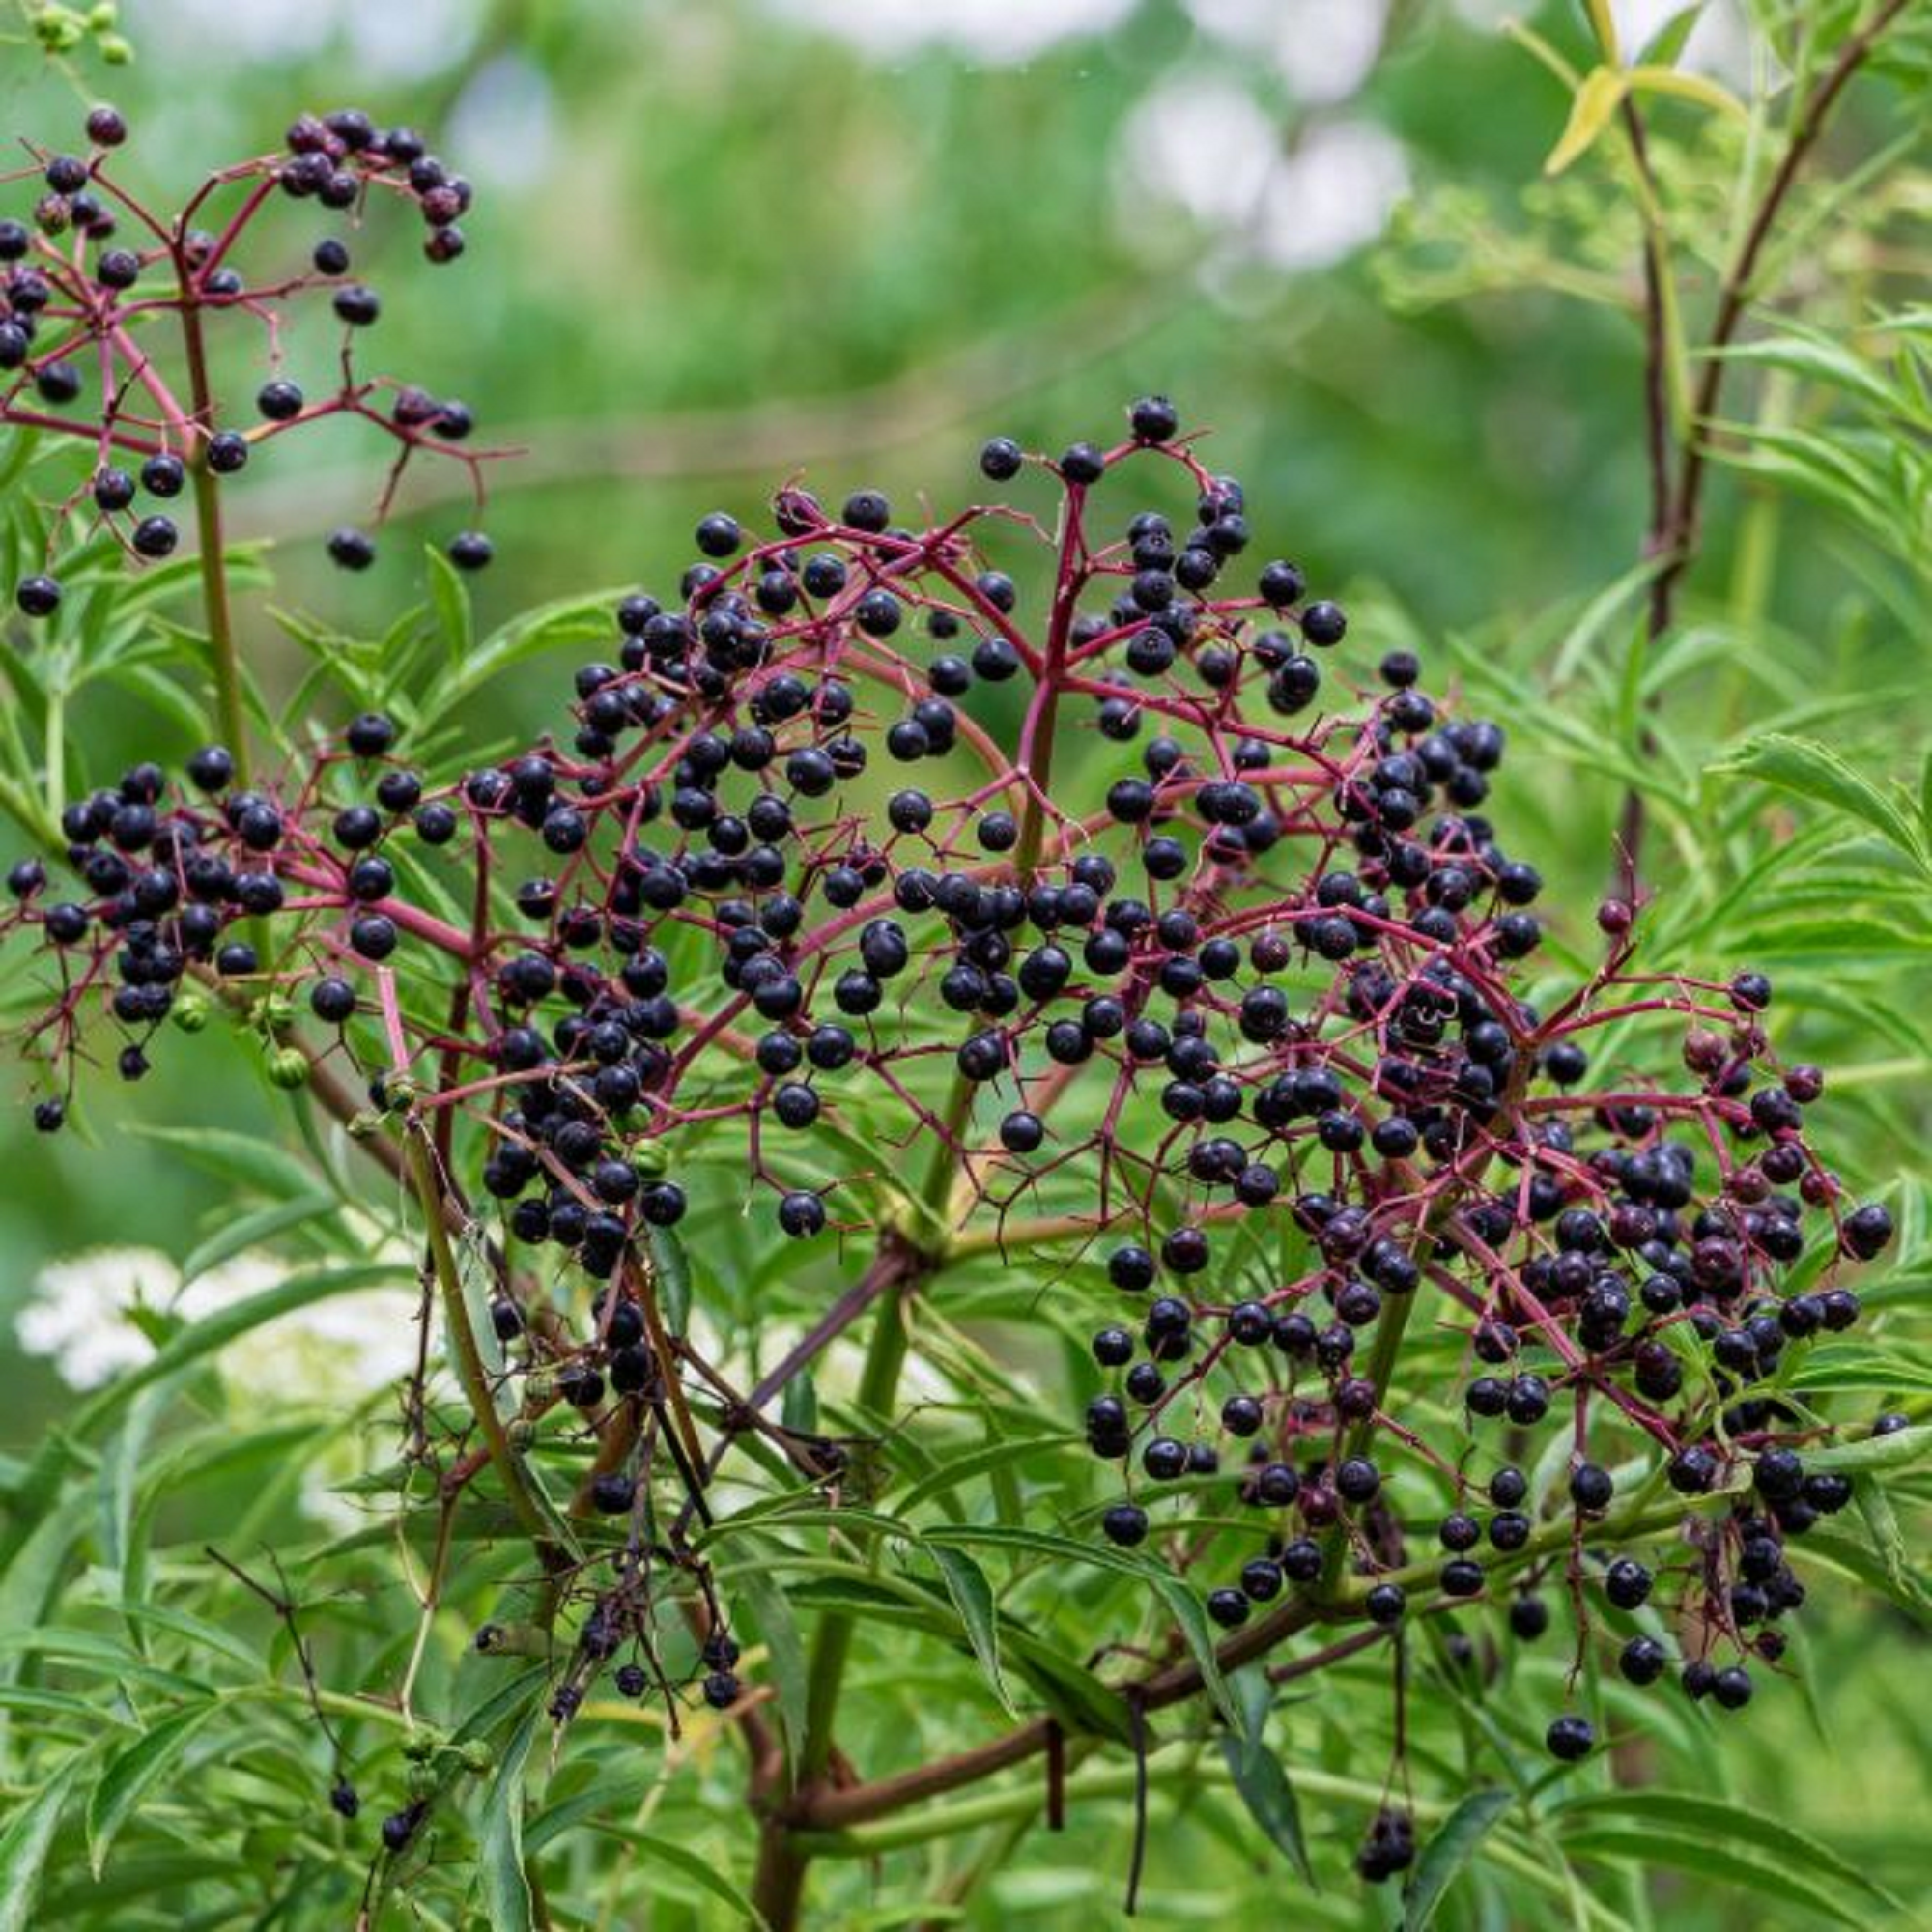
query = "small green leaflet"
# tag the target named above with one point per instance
(1896, 1451)
(1181, 1602)
(499, 1851)
(973, 1597)
(700, 1871)
(1451, 1847)
(129, 1777)
(24, 1848)
(478, 1279)
(673, 1278)
(770, 1610)
(1261, 1782)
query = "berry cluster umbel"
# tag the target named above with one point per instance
(1176, 951)
(91, 281)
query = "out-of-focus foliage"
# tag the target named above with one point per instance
(722, 242)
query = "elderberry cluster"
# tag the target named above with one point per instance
(1165, 946)
(95, 287)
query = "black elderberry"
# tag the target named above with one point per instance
(1627, 1584)
(155, 537)
(1385, 1604)
(1529, 1617)
(38, 595)
(352, 548)
(357, 304)
(1732, 1687)
(1001, 458)
(279, 401)
(1227, 1608)
(1591, 1488)
(1571, 1739)
(163, 475)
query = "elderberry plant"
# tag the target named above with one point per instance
(1038, 911)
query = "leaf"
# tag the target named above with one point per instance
(674, 1273)
(770, 1610)
(1271, 1799)
(1449, 1848)
(701, 1872)
(1692, 1815)
(1181, 1602)
(1668, 42)
(241, 1158)
(1846, 1553)
(1706, 92)
(799, 1407)
(449, 596)
(499, 1840)
(131, 1775)
(476, 1278)
(25, 1845)
(973, 1596)
(1814, 771)
(970, 1463)
(1600, 95)
(1778, 1877)
(248, 1230)
(1895, 1451)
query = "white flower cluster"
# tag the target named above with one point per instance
(78, 1316)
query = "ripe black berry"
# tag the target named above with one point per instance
(1643, 1660)
(279, 401)
(163, 475)
(357, 304)
(1083, 463)
(1152, 418)
(1571, 1739)
(38, 596)
(1000, 459)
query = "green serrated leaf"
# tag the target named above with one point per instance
(798, 1409)
(450, 598)
(244, 1159)
(1814, 771)
(1451, 1846)
(25, 1845)
(131, 1774)
(701, 1871)
(1687, 1814)
(973, 1597)
(1266, 1790)
(1896, 1451)
(672, 1262)
(1181, 1600)
(499, 1840)
(771, 1611)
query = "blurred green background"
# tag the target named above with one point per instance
(718, 244)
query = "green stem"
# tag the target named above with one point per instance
(468, 1359)
(781, 1864)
